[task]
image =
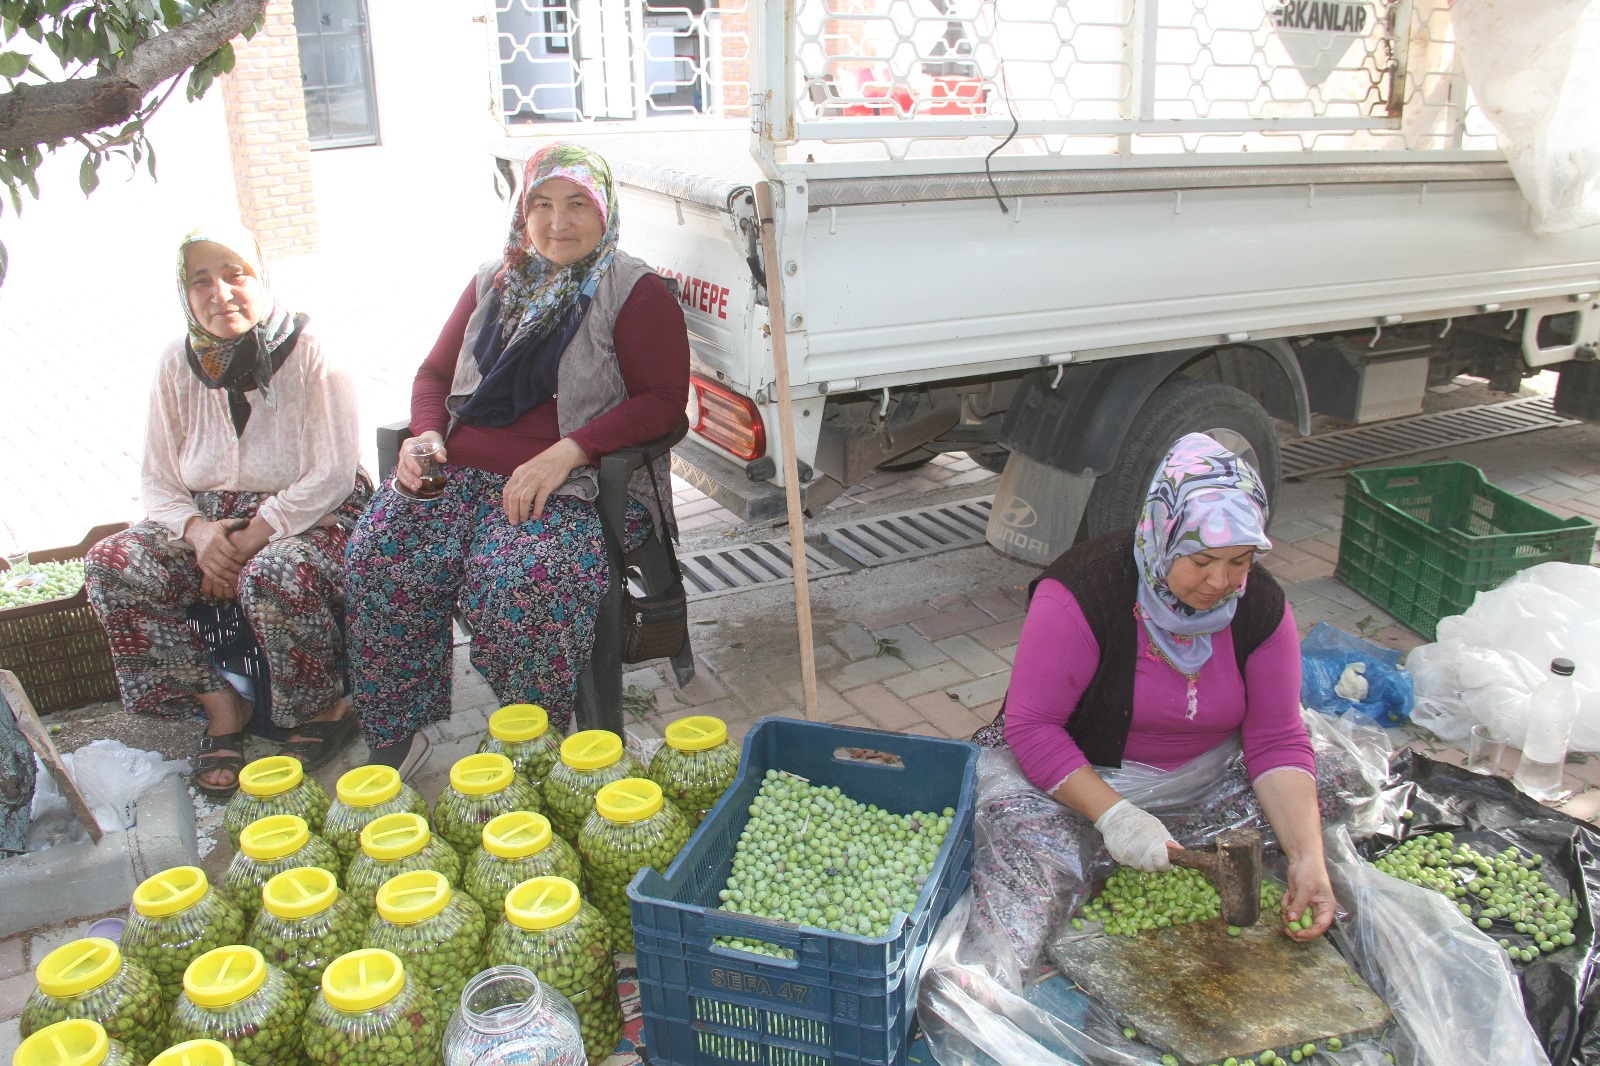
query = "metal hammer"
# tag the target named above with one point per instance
(1234, 867)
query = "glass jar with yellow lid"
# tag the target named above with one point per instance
(550, 929)
(437, 932)
(481, 787)
(521, 732)
(91, 979)
(234, 996)
(267, 847)
(176, 917)
(696, 764)
(305, 923)
(198, 1053)
(397, 844)
(370, 1013)
(277, 784)
(632, 827)
(75, 1042)
(590, 760)
(362, 796)
(516, 847)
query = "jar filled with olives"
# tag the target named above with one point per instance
(696, 764)
(90, 979)
(198, 1053)
(361, 797)
(632, 827)
(369, 1013)
(393, 845)
(481, 786)
(267, 847)
(590, 760)
(277, 784)
(549, 928)
(74, 1042)
(437, 932)
(175, 918)
(516, 847)
(521, 732)
(305, 923)
(231, 995)
(507, 1017)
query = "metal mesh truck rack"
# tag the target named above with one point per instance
(1058, 234)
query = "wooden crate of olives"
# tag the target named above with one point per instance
(798, 914)
(49, 635)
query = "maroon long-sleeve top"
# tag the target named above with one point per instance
(652, 353)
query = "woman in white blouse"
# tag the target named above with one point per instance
(251, 483)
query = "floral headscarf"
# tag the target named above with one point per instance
(248, 362)
(1202, 497)
(518, 350)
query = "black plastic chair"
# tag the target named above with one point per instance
(231, 645)
(648, 567)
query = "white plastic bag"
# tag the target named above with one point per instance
(1486, 663)
(111, 776)
(1532, 68)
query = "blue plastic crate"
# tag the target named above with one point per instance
(842, 998)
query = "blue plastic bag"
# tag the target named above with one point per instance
(1340, 671)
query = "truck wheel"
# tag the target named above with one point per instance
(1181, 405)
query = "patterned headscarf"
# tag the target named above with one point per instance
(518, 351)
(244, 363)
(1202, 497)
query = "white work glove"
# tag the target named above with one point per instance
(1135, 837)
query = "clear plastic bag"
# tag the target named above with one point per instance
(1341, 672)
(1352, 755)
(112, 778)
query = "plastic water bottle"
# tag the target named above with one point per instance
(1550, 717)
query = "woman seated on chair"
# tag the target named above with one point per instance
(563, 349)
(1147, 645)
(251, 482)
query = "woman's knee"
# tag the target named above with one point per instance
(111, 562)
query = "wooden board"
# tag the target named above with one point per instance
(38, 738)
(1203, 995)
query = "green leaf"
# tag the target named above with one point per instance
(170, 15)
(5, 260)
(89, 174)
(150, 160)
(12, 64)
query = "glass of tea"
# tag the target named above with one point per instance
(425, 453)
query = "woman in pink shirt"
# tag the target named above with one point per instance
(1143, 645)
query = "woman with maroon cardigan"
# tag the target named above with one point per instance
(1157, 645)
(564, 349)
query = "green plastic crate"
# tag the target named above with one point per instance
(1422, 541)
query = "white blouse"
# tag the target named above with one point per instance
(305, 452)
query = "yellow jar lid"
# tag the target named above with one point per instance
(591, 749)
(76, 968)
(363, 979)
(271, 776)
(516, 835)
(395, 836)
(274, 836)
(516, 723)
(223, 976)
(195, 1053)
(483, 774)
(633, 799)
(367, 786)
(299, 893)
(408, 898)
(696, 733)
(74, 1042)
(170, 891)
(542, 903)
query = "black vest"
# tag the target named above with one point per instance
(1103, 577)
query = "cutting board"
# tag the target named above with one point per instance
(1203, 995)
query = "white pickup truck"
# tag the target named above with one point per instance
(1058, 234)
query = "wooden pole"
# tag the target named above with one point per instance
(777, 323)
(38, 738)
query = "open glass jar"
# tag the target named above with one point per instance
(507, 1018)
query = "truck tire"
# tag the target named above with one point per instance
(1181, 405)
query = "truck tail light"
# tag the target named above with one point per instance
(726, 418)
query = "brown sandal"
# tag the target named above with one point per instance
(318, 742)
(223, 752)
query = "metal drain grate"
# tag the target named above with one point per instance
(749, 566)
(913, 534)
(1354, 447)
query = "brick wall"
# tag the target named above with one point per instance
(266, 114)
(733, 22)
